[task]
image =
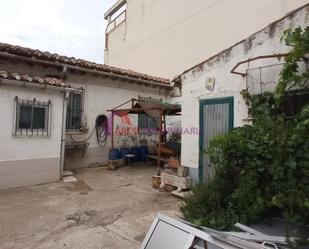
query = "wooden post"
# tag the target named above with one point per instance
(160, 141)
(164, 119)
(112, 129)
(164, 122)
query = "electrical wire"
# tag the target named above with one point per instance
(101, 130)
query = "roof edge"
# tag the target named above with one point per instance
(24, 53)
(115, 7)
(43, 82)
(290, 13)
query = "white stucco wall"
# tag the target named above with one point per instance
(29, 160)
(102, 94)
(165, 38)
(264, 42)
(18, 148)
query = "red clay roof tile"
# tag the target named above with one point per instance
(33, 79)
(37, 54)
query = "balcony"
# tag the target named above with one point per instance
(116, 21)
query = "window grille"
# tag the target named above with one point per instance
(147, 124)
(74, 112)
(265, 78)
(32, 117)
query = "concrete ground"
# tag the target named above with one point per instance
(103, 209)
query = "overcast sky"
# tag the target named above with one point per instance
(69, 27)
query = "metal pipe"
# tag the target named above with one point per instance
(122, 104)
(62, 145)
(66, 91)
(112, 130)
(160, 141)
(254, 59)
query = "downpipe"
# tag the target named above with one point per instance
(62, 146)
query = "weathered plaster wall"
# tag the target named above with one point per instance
(28, 160)
(264, 42)
(166, 37)
(101, 95)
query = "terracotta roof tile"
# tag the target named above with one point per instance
(32, 79)
(37, 54)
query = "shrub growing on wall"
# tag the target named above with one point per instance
(261, 170)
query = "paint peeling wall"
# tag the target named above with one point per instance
(264, 42)
(100, 94)
(166, 37)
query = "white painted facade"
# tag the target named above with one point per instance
(164, 38)
(29, 160)
(100, 96)
(265, 42)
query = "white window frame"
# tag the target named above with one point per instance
(31, 132)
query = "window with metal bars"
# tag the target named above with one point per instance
(32, 117)
(74, 112)
(147, 124)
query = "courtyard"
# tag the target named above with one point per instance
(103, 209)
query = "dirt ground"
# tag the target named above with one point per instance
(103, 209)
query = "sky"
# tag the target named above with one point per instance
(67, 27)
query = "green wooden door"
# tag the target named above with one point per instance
(216, 118)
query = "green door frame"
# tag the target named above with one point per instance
(230, 101)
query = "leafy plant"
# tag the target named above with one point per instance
(175, 136)
(290, 76)
(261, 170)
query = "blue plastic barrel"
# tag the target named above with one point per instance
(114, 154)
(144, 153)
(137, 152)
(123, 152)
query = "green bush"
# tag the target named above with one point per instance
(261, 170)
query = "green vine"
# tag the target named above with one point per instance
(262, 170)
(290, 76)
